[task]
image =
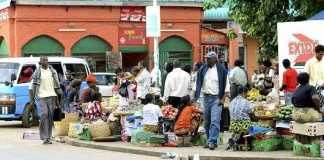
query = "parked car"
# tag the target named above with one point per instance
(14, 85)
(105, 82)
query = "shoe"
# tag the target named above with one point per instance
(49, 142)
(212, 147)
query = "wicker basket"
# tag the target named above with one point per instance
(61, 128)
(100, 129)
(71, 117)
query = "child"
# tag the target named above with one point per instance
(151, 115)
(188, 121)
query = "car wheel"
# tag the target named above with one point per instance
(29, 117)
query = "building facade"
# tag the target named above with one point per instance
(106, 33)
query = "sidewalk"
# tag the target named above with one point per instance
(205, 154)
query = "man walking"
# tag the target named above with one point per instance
(45, 87)
(237, 77)
(289, 81)
(211, 81)
(177, 85)
(315, 66)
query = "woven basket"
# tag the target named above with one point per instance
(71, 117)
(61, 128)
(101, 129)
(73, 133)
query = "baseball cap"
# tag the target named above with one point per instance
(211, 55)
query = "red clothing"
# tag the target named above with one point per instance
(185, 117)
(290, 80)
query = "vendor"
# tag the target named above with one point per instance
(151, 114)
(306, 102)
(91, 93)
(240, 112)
(189, 119)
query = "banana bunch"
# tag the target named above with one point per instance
(253, 94)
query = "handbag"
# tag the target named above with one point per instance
(58, 115)
(123, 90)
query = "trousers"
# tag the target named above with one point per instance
(212, 117)
(46, 118)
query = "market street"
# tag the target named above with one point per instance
(13, 147)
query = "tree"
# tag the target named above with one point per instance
(259, 18)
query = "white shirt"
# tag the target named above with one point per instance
(154, 75)
(315, 69)
(46, 88)
(143, 83)
(238, 76)
(177, 83)
(211, 84)
(151, 114)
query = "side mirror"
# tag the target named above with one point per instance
(13, 77)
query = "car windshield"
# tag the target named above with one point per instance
(6, 70)
(105, 79)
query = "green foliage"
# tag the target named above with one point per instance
(231, 34)
(259, 18)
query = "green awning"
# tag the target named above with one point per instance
(175, 44)
(3, 49)
(90, 45)
(217, 14)
(133, 49)
(43, 45)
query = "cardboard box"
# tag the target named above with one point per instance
(308, 129)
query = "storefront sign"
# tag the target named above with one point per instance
(132, 36)
(4, 14)
(209, 36)
(132, 14)
(297, 42)
(153, 22)
(4, 4)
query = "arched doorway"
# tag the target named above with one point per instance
(95, 50)
(175, 48)
(43, 45)
(4, 52)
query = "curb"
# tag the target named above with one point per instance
(79, 143)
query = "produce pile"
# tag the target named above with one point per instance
(263, 110)
(169, 112)
(285, 113)
(254, 95)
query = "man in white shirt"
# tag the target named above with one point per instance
(45, 86)
(315, 66)
(143, 81)
(237, 77)
(211, 81)
(177, 85)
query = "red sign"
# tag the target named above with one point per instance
(132, 14)
(210, 36)
(132, 36)
(304, 47)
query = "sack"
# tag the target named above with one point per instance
(74, 130)
(58, 115)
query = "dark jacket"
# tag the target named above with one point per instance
(222, 76)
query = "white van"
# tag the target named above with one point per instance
(15, 76)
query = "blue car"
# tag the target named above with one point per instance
(15, 77)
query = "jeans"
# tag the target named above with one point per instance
(212, 117)
(288, 96)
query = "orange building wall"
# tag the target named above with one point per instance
(27, 22)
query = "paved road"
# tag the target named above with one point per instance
(13, 147)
